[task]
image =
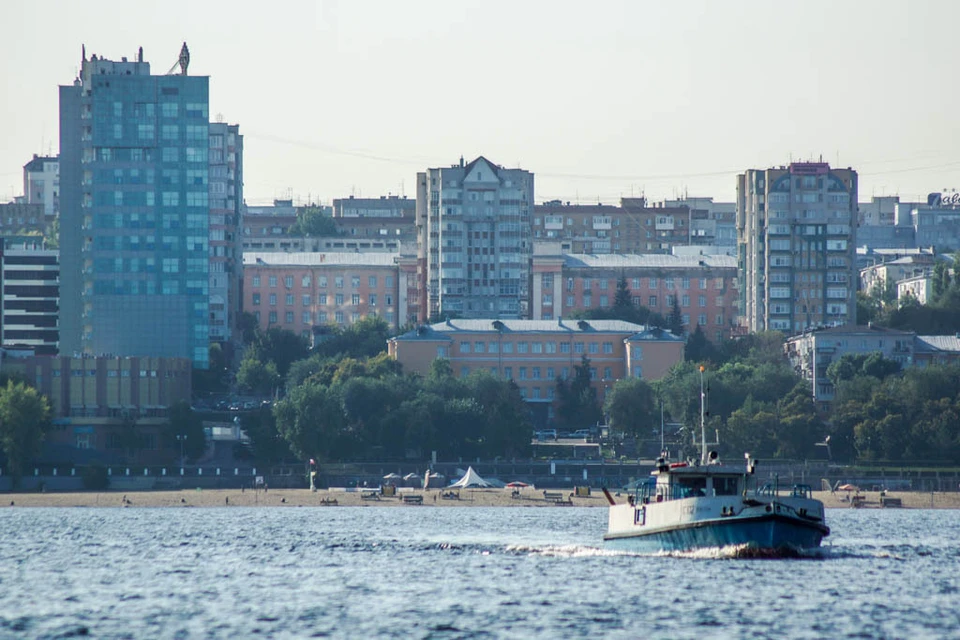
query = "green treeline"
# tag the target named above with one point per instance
(345, 399)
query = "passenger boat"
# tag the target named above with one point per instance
(702, 504)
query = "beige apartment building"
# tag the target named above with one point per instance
(535, 353)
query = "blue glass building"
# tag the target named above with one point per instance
(134, 215)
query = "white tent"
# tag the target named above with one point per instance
(470, 479)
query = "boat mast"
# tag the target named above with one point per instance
(703, 426)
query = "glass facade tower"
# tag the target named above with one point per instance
(135, 214)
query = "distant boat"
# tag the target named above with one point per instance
(703, 504)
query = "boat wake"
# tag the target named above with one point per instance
(569, 551)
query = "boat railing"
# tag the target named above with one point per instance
(773, 490)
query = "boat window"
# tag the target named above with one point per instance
(689, 487)
(724, 486)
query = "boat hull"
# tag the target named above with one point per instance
(769, 532)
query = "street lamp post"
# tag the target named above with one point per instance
(182, 438)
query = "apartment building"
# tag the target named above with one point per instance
(704, 286)
(797, 232)
(30, 304)
(474, 246)
(298, 291)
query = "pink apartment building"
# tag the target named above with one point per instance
(704, 286)
(299, 291)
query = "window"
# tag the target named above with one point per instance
(338, 317)
(305, 281)
(305, 300)
(479, 347)
(608, 347)
(322, 299)
(653, 301)
(607, 373)
(523, 373)
(256, 299)
(288, 281)
(322, 282)
(355, 282)
(273, 317)
(551, 347)
(636, 352)
(372, 282)
(564, 347)
(536, 347)
(508, 373)
(507, 347)
(702, 301)
(273, 299)
(536, 373)
(593, 348)
(338, 282)
(338, 300)
(355, 299)
(256, 281)
(273, 281)
(464, 347)
(578, 347)
(372, 300)
(522, 347)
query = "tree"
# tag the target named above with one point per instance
(248, 326)
(675, 320)
(257, 376)
(577, 405)
(698, 348)
(24, 422)
(632, 406)
(311, 221)
(280, 346)
(623, 300)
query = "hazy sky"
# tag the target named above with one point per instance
(598, 99)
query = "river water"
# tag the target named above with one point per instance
(419, 572)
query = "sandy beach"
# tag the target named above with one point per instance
(529, 497)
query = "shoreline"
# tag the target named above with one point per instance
(529, 497)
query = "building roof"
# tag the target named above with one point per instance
(655, 334)
(38, 161)
(445, 330)
(938, 343)
(648, 260)
(312, 259)
(847, 329)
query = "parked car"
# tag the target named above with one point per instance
(581, 433)
(547, 434)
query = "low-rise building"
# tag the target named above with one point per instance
(535, 353)
(94, 398)
(298, 291)
(703, 286)
(812, 351)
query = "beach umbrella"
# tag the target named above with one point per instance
(411, 476)
(392, 476)
(516, 484)
(848, 487)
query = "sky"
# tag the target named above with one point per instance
(599, 100)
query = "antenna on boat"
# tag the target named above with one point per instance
(703, 425)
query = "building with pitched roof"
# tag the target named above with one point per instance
(535, 353)
(474, 244)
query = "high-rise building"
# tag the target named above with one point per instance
(135, 211)
(226, 253)
(796, 231)
(474, 246)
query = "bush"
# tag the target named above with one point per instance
(95, 477)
